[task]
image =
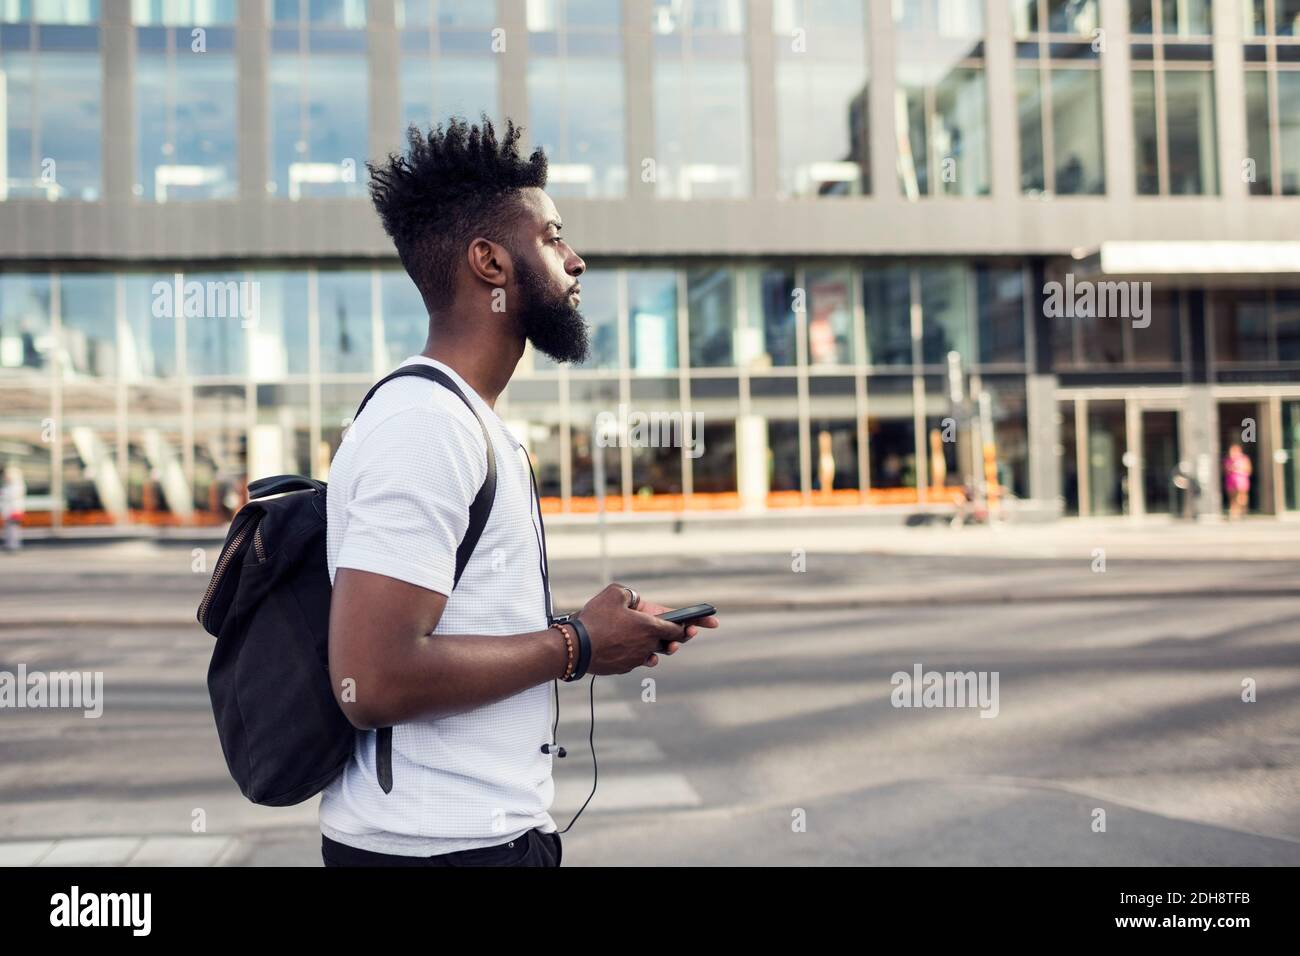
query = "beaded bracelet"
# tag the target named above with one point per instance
(568, 643)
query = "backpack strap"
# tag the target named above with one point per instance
(479, 511)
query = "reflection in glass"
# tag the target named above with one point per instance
(186, 120)
(1259, 137)
(406, 321)
(1146, 141)
(220, 452)
(1000, 295)
(576, 105)
(945, 325)
(1077, 132)
(1288, 111)
(1189, 106)
(821, 88)
(702, 129)
(87, 305)
(887, 302)
(1185, 18)
(600, 309)
(449, 85)
(1107, 444)
(711, 316)
(149, 343)
(830, 317)
(25, 337)
(652, 319)
(1241, 326)
(51, 101)
(343, 308)
(281, 335)
(1160, 343)
(318, 114)
(1029, 104)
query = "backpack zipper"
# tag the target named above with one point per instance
(226, 557)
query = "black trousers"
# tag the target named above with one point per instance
(534, 848)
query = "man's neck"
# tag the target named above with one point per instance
(486, 369)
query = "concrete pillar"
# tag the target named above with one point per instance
(751, 462)
(1044, 439)
(1199, 438)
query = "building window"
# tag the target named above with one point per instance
(26, 342)
(1058, 97)
(343, 306)
(183, 13)
(945, 314)
(88, 314)
(149, 346)
(652, 319)
(887, 303)
(1272, 65)
(72, 12)
(1174, 134)
(319, 83)
(711, 316)
(52, 125)
(1121, 331)
(1000, 297)
(821, 97)
(186, 85)
(701, 100)
(943, 143)
(448, 66)
(350, 14)
(575, 94)
(831, 339)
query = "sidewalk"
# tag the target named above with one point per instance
(140, 583)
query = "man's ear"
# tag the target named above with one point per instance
(489, 262)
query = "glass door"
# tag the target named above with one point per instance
(1289, 445)
(1159, 460)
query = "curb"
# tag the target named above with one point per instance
(748, 604)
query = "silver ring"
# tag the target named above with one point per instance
(634, 599)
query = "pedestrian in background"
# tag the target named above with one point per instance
(13, 504)
(1237, 470)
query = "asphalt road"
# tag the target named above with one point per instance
(773, 741)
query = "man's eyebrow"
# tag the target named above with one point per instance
(556, 223)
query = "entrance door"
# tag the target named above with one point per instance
(1108, 489)
(1159, 459)
(1242, 424)
(1289, 446)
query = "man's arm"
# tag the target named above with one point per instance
(380, 638)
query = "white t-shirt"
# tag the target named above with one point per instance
(400, 488)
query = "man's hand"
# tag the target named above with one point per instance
(684, 633)
(623, 638)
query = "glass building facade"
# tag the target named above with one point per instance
(860, 250)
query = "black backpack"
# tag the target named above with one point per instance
(268, 602)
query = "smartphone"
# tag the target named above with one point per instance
(684, 615)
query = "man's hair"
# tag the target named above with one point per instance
(451, 186)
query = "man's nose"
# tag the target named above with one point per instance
(575, 266)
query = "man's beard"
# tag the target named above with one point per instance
(549, 320)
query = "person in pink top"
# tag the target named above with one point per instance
(1236, 481)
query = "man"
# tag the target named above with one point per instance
(461, 675)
